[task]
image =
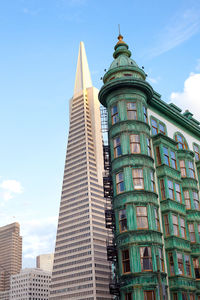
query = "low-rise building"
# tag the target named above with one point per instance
(30, 284)
(45, 262)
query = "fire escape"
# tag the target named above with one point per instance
(109, 212)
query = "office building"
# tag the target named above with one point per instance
(155, 163)
(45, 262)
(30, 284)
(10, 253)
(80, 269)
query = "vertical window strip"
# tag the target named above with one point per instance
(117, 147)
(162, 187)
(175, 225)
(126, 261)
(138, 179)
(157, 219)
(146, 259)
(128, 296)
(131, 111)
(158, 157)
(187, 199)
(135, 143)
(120, 182)
(171, 189)
(191, 169)
(149, 147)
(154, 127)
(171, 263)
(114, 114)
(149, 295)
(187, 265)
(153, 186)
(183, 229)
(166, 222)
(178, 192)
(162, 268)
(173, 159)
(196, 152)
(182, 168)
(196, 267)
(142, 218)
(161, 128)
(166, 156)
(145, 114)
(180, 263)
(195, 200)
(191, 232)
(122, 220)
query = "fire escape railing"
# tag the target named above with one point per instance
(110, 220)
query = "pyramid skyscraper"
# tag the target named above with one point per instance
(80, 269)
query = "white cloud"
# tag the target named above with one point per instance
(189, 98)
(10, 188)
(182, 26)
(38, 236)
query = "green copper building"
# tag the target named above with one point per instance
(155, 167)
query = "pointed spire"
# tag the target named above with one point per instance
(83, 78)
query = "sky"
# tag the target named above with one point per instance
(39, 41)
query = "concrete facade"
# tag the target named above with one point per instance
(10, 253)
(45, 262)
(80, 269)
(30, 284)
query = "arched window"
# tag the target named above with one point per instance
(182, 143)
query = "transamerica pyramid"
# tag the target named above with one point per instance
(80, 269)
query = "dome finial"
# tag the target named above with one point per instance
(120, 37)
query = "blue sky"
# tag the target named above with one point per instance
(39, 43)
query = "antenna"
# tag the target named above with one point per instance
(119, 29)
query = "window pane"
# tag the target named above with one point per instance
(145, 114)
(148, 147)
(135, 143)
(154, 127)
(171, 263)
(117, 147)
(161, 128)
(149, 295)
(153, 188)
(146, 261)
(120, 182)
(166, 221)
(171, 189)
(122, 220)
(166, 156)
(196, 200)
(180, 263)
(178, 192)
(114, 114)
(183, 168)
(187, 199)
(191, 232)
(157, 219)
(138, 181)
(131, 111)
(175, 225)
(173, 159)
(191, 169)
(142, 220)
(125, 261)
(187, 265)
(183, 232)
(128, 296)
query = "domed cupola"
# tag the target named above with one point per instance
(123, 66)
